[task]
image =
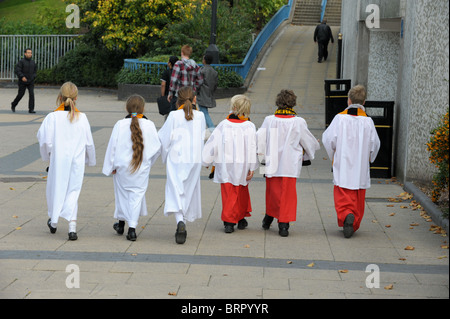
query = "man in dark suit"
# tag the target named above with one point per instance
(322, 36)
(26, 71)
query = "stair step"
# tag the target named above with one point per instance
(307, 12)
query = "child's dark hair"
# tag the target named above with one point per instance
(286, 98)
(208, 58)
(135, 105)
(186, 97)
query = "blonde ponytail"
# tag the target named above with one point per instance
(67, 95)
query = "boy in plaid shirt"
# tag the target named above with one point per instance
(185, 72)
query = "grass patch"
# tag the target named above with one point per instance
(26, 10)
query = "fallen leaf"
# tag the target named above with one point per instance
(414, 224)
(403, 206)
(389, 205)
(444, 246)
(15, 216)
(389, 287)
(246, 246)
(172, 293)
(18, 228)
(374, 221)
(343, 271)
(392, 214)
(311, 265)
(402, 258)
(12, 188)
(289, 262)
(387, 226)
(133, 254)
(442, 257)
(409, 248)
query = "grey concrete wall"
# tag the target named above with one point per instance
(408, 67)
(423, 84)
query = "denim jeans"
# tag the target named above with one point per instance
(209, 122)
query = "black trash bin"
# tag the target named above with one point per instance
(335, 98)
(382, 114)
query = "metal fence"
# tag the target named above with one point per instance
(243, 68)
(47, 50)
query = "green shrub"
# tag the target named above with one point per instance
(85, 66)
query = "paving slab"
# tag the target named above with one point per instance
(314, 262)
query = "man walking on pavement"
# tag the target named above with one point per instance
(26, 71)
(322, 36)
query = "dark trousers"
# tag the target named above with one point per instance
(323, 51)
(22, 88)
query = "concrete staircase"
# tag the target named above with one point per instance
(307, 12)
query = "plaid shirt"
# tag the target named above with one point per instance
(185, 73)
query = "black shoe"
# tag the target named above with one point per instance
(119, 227)
(13, 108)
(131, 234)
(229, 227)
(73, 236)
(348, 225)
(31, 111)
(242, 224)
(283, 229)
(267, 221)
(181, 233)
(49, 224)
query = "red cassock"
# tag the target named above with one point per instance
(281, 198)
(236, 202)
(348, 201)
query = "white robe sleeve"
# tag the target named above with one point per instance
(261, 142)
(329, 138)
(253, 149)
(108, 163)
(375, 144)
(210, 150)
(154, 144)
(165, 137)
(90, 147)
(308, 142)
(45, 138)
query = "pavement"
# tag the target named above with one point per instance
(397, 253)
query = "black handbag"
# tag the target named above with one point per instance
(163, 105)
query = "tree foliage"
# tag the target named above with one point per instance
(261, 10)
(130, 25)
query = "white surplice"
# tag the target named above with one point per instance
(182, 145)
(283, 144)
(231, 148)
(69, 147)
(130, 188)
(352, 143)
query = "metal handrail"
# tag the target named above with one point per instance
(324, 7)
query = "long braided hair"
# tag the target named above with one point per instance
(135, 105)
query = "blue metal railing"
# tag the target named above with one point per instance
(241, 69)
(324, 7)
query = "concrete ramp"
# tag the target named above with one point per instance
(291, 63)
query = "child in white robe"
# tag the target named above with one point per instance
(65, 139)
(182, 138)
(284, 143)
(132, 150)
(232, 150)
(352, 143)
